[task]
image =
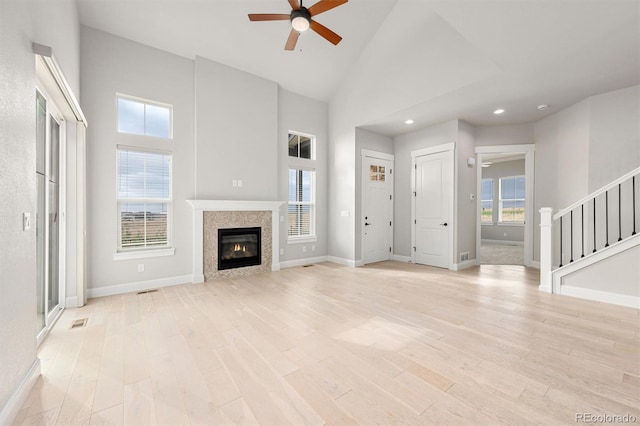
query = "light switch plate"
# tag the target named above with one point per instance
(26, 221)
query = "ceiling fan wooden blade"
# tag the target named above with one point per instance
(295, 4)
(292, 40)
(269, 17)
(324, 5)
(325, 32)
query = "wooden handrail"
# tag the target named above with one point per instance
(596, 193)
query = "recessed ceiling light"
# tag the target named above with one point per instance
(498, 111)
(543, 107)
(409, 121)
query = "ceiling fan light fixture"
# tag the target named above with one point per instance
(300, 20)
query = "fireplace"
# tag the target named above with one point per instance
(239, 247)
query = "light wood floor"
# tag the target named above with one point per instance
(390, 343)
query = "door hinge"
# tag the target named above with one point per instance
(389, 249)
(391, 197)
(390, 171)
(389, 223)
(415, 166)
(415, 221)
(414, 248)
(415, 194)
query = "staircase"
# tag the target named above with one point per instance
(591, 249)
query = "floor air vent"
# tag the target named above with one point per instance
(307, 266)
(79, 322)
(147, 291)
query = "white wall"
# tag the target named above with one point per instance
(22, 23)
(512, 134)
(614, 135)
(466, 210)
(237, 133)
(302, 114)
(113, 65)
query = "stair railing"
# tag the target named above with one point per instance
(604, 217)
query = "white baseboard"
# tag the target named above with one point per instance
(398, 258)
(138, 286)
(505, 242)
(342, 261)
(464, 265)
(601, 296)
(302, 262)
(71, 302)
(198, 279)
(19, 396)
(359, 263)
(534, 264)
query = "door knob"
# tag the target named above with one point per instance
(366, 224)
(444, 224)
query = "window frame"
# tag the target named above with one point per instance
(311, 237)
(312, 139)
(493, 202)
(500, 200)
(145, 102)
(124, 253)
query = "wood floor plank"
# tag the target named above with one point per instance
(386, 343)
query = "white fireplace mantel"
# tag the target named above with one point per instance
(200, 206)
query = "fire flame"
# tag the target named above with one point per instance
(238, 247)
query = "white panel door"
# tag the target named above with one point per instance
(377, 178)
(434, 191)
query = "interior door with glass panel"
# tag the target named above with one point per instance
(49, 130)
(377, 208)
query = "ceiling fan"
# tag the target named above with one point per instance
(300, 18)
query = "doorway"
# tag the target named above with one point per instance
(433, 208)
(50, 230)
(505, 205)
(377, 206)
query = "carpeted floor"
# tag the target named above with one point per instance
(501, 254)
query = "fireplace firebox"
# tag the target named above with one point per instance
(239, 247)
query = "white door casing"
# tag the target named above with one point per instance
(377, 206)
(433, 207)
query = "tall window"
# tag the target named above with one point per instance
(486, 201)
(142, 117)
(301, 209)
(512, 199)
(144, 199)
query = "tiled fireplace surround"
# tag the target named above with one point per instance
(210, 215)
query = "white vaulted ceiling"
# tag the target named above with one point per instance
(427, 60)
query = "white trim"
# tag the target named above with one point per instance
(601, 296)
(20, 395)
(534, 264)
(302, 262)
(499, 149)
(342, 261)
(464, 265)
(618, 247)
(71, 302)
(376, 154)
(144, 254)
(200, 206)
(505, 242)
(434, 149)
(360, 263)
(398, 258)
(138, 286)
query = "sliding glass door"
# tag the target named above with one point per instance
(49, 131)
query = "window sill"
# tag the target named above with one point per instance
(510, 223)
(487, 223)
(302, 240)
(144, 254)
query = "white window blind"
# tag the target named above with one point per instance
(301, 206)
(144, 199)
